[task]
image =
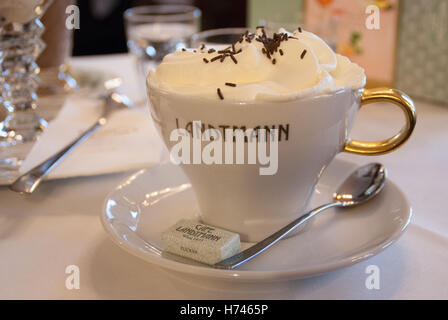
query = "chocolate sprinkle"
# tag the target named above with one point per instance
(270, 46)
(216, 58)
(230, 84)
(205, 60)
(220, 94)
(183, 49)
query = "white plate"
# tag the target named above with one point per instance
(150, 201)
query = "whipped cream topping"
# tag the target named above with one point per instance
(19, 11)
(257, 67)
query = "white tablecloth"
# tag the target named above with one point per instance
(42, 234)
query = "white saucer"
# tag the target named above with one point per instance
(150, 201)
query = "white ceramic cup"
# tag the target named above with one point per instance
(236, 197)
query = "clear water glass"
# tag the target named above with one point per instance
(217, 38)
(154, 31)
(326, 28)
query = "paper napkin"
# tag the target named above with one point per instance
(128, 141)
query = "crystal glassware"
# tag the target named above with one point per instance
(20, 45)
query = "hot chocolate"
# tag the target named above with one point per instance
(257, 68)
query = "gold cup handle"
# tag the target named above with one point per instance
(384, 146)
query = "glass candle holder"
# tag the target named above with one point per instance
(20, 45)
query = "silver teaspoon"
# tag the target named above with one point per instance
(362, 185)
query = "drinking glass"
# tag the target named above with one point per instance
(326, 28)
(287, 20)
(217, 38)
(154, 31)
